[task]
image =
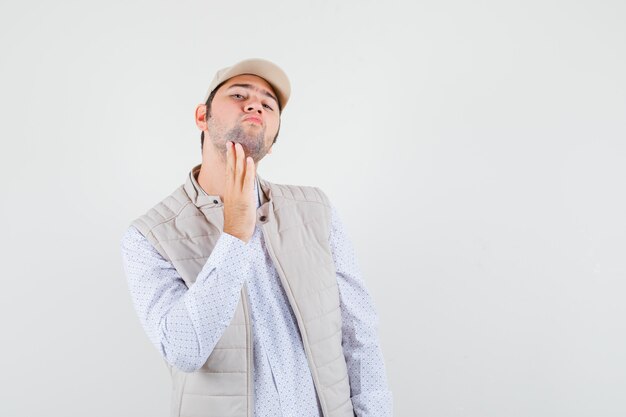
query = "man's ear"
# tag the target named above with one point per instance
(201, 117)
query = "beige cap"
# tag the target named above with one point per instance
(265, 69)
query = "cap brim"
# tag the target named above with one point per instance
(265, 69)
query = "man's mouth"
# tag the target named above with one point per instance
(253, 120)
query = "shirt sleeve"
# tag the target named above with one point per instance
(184, 324)
(366, 369)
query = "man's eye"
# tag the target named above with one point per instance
(268, 107)
(237, 95)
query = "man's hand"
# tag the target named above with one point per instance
(239, 207)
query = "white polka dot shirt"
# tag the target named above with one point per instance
(184, 324)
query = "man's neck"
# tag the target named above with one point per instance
(212, 175)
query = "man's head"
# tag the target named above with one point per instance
(244, 104)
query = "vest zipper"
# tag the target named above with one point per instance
(305, 344)
(249, 354)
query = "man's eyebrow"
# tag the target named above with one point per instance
(250, 86)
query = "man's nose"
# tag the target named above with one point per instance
(254, 104)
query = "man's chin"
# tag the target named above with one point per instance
(251, 149)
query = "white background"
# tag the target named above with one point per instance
(475, 150)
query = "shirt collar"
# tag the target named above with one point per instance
(201, 199)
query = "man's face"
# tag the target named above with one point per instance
(244, 110)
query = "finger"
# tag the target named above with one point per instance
(239, 164)
(248, 182)
(230, 164)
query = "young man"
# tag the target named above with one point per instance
(249, 289)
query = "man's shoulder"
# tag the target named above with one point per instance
(164, 211)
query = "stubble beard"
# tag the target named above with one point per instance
(252, 143)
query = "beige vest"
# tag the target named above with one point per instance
(295, 221)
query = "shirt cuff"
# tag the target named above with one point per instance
(373, 404)
(230, 256)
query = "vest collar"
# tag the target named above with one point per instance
(201, 199)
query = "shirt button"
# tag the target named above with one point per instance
(215, 201)
(262, 218)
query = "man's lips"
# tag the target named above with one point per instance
(253, 120)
